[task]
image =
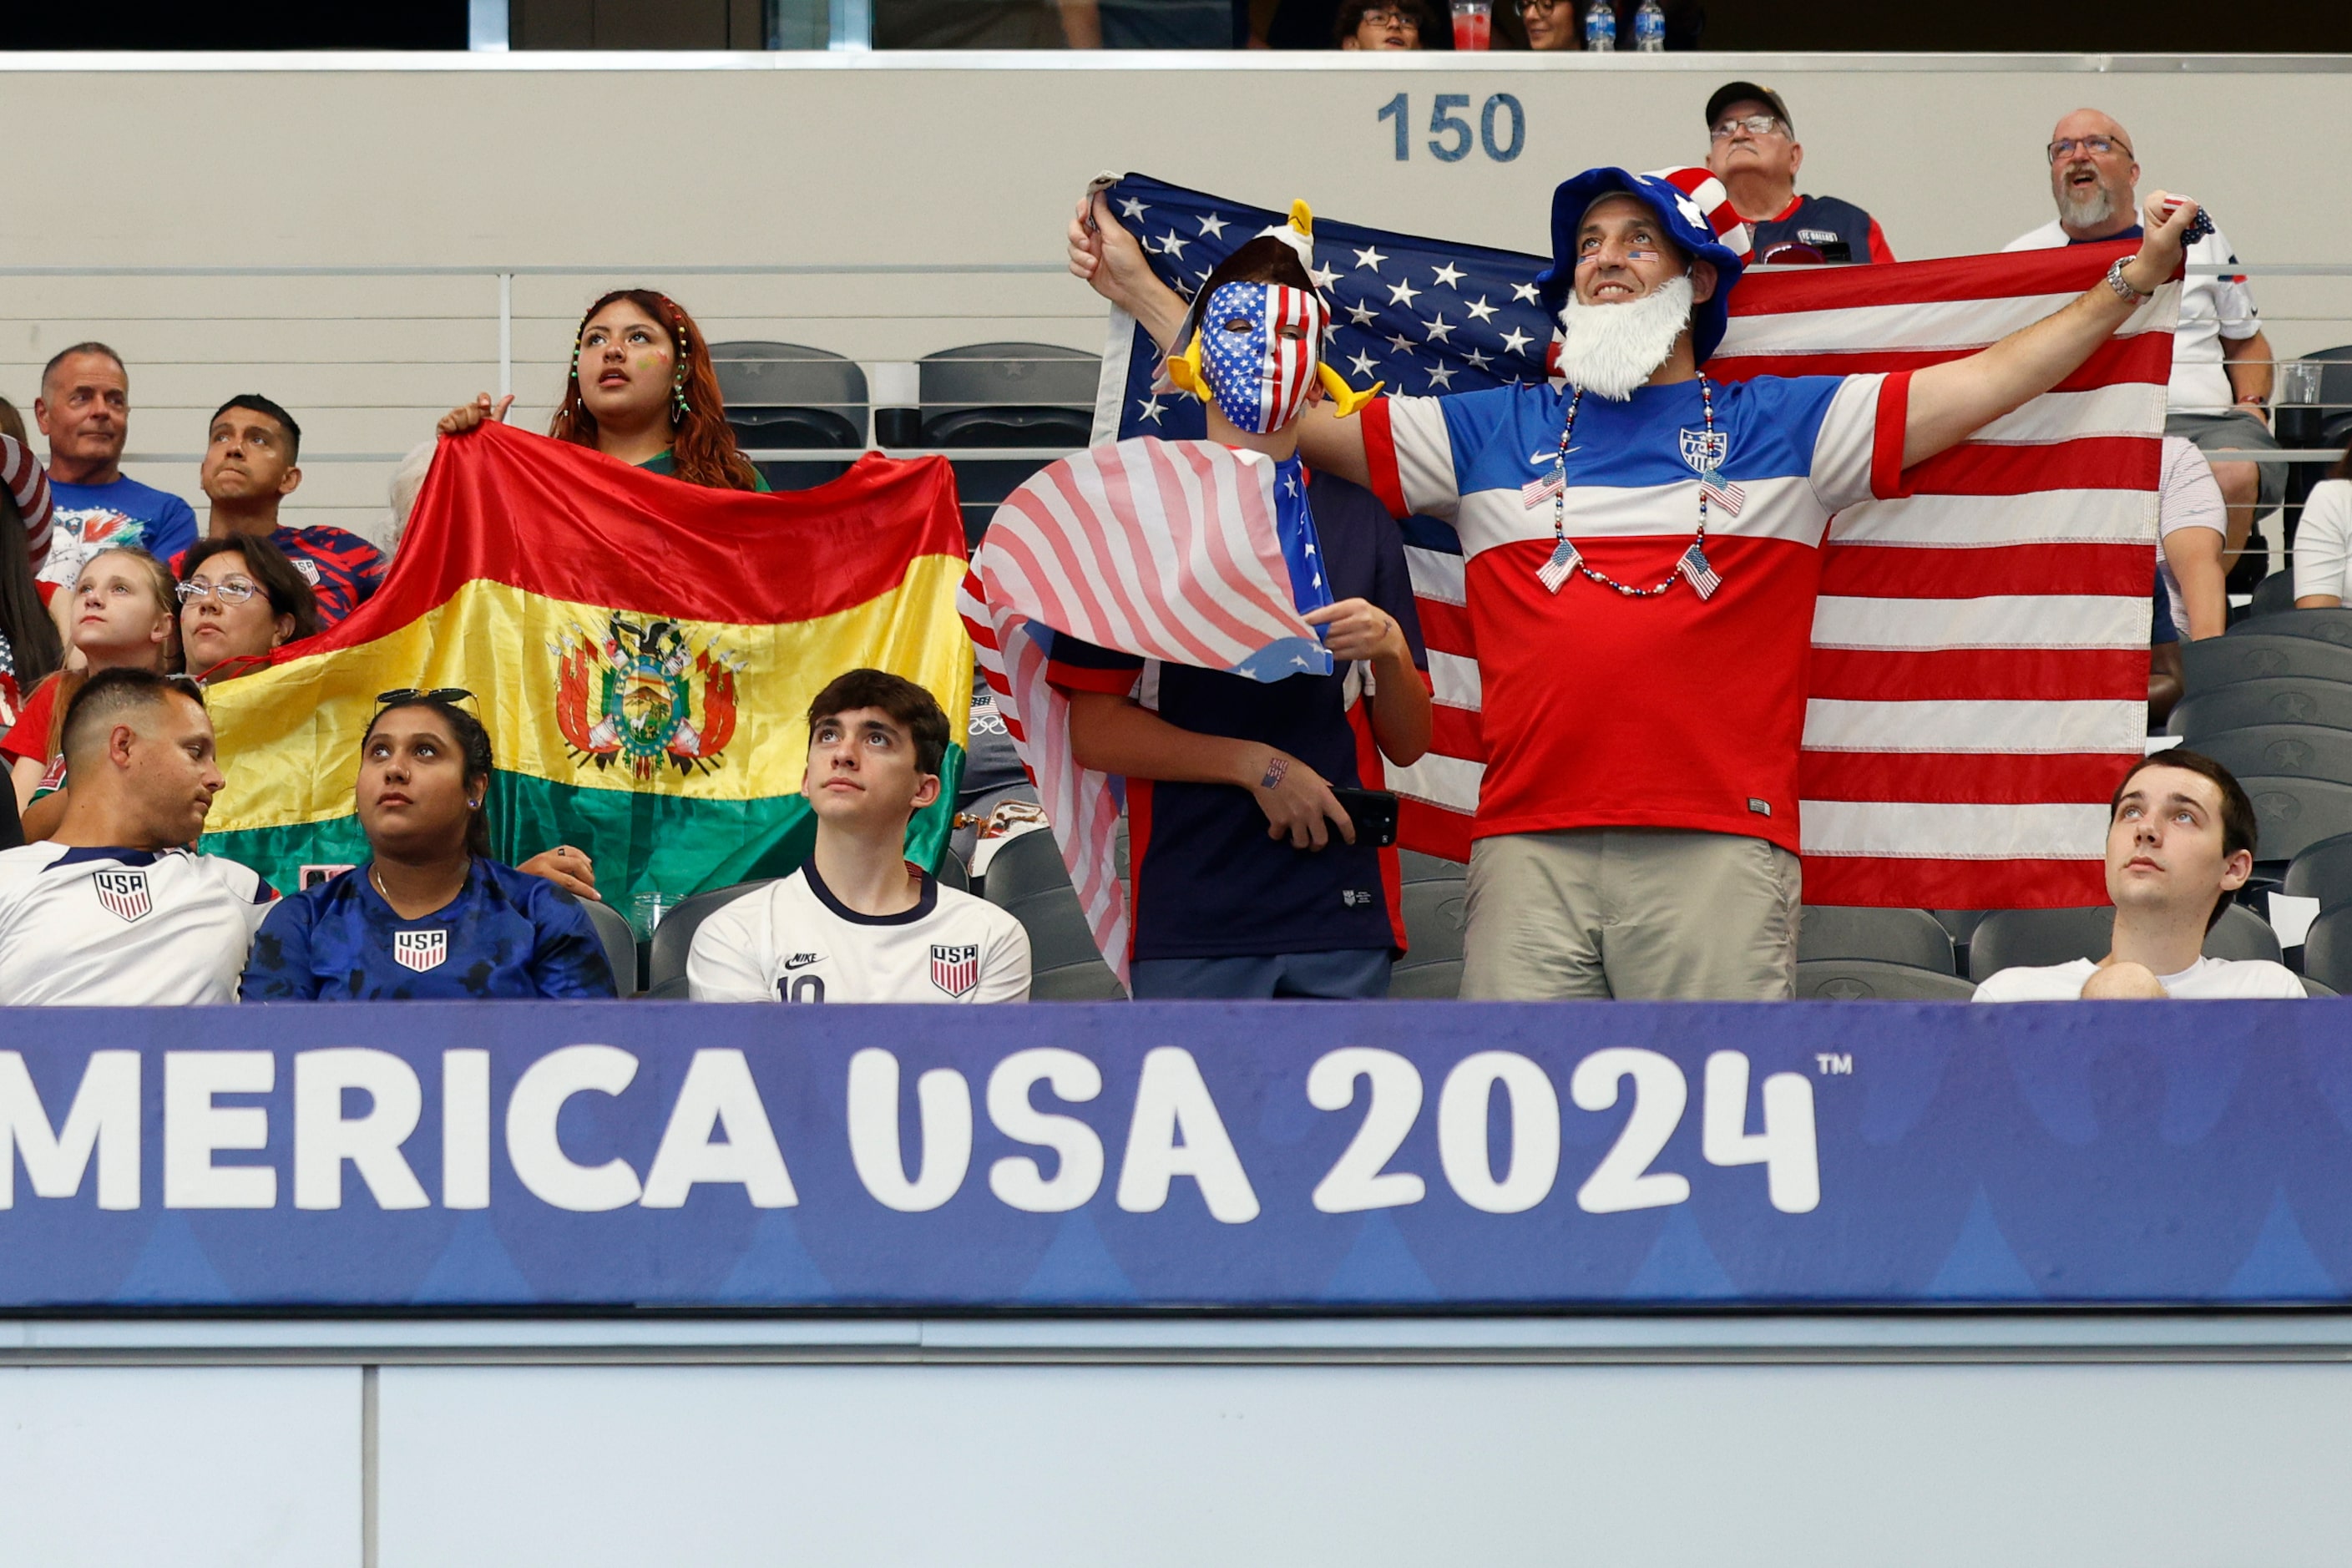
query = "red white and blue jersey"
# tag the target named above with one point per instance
(124, 927)
(1606, 711)
(343, 569)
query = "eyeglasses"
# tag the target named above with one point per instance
(418, 694)
(228, 590)
(1753, 124)
(1391, 16)
(2098, 146)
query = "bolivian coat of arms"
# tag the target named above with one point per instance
(641, 696)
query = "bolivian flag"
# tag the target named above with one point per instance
(643, 651)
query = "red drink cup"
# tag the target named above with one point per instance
(1474, 23)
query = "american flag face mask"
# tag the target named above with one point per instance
(1259, 347)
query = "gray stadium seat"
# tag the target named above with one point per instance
(2293, 813)
(2277, 700)
(2322, 871)
(1888, 936)
(1005, 394)
(2272, 595)
(2217, 662)
(1871, 980)
(788, 395)
(666, 960)
(1028, 879)
(2012, 939)
(2328, 950)
(1434, 894)
(2281, 751)
(2316, 987)
(951, 873)
(2335, 394)
(620, 943)
(2318, 625)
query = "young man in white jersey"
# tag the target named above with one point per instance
(857, 923)
(114, 909)
(1641, 564)
(2180, 840)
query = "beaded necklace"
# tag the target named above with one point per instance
(1692, 564)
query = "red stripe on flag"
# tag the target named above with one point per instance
(2142, 357)
(1931, 572)
(1967, 778)
(1978, 674)
(2005, 276)
(1445, 628)
(1955, 884)
(2088, 462)
(1433, 830)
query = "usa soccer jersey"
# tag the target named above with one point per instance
(795, 941)
(505, 935)
(123, 928)
(1600, 710)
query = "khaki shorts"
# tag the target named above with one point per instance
(1635, 913)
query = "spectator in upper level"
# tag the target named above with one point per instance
(2323, 544)
(240, 601)
(116, 911)
(84, 410)
(1383, 25)
(1752, 148)
(29, 645)
(2219, 396)
(2181, 841)
(251, 453)
(641, 390)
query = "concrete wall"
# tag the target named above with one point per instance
(637, 168)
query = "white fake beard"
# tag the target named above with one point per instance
(1612, 350)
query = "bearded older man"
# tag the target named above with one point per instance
(1643, 561)
(2219, 396)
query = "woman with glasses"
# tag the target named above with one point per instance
(430, 915)
(240, 601)
(1383, 25)
(120, 617)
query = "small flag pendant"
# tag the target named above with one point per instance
(1557, 570)
(1729, 497)
(1537, 491)
(1694, 566)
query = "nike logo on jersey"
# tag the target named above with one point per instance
(1540, 459)
(802, 960)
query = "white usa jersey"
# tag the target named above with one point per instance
(792, 941)
(124, 927)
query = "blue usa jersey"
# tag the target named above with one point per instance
(506, 935)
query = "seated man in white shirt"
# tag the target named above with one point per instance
(114, 908)
(857, 923)
(2180, 840)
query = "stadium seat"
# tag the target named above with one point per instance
(2322, 871)
(1888, 936)
(666, 960)
(2278, 700)
(1962, 924)
(2320, 625)
(951, 873)
(2335, 394)
(2328, 950)
(2283, 751)
(2271, 596)
(2012, 939)
(1872, 980)
(2293, 813)
(1005, 395)
(2216, 662)
(2316, 987)
(1028, 879)
(620, 943)
(1434, 919)
(787, 395)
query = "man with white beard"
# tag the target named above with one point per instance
(1643, 557)
(2219, 392)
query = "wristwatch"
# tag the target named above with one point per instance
(2122, 286)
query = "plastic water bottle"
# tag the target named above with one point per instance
(1650, 28)
(1600, 27)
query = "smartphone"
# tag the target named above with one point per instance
(1375, 813)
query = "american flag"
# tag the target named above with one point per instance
(1979, 677)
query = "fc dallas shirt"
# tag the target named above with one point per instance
(793, 940)
(123, 928)
(1604, 711)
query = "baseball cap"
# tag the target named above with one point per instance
(1733, 92)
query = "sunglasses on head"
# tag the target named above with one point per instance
(419, 694)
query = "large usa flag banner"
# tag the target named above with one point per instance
(1980, 658)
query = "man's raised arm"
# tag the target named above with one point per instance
(1107, 257)
(1952, 402)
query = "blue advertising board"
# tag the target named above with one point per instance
(1290, 1156)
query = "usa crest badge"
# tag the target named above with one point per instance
(420, 950)
(955, 969)
(124, 893)
(1704, 452)
(643, 697)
